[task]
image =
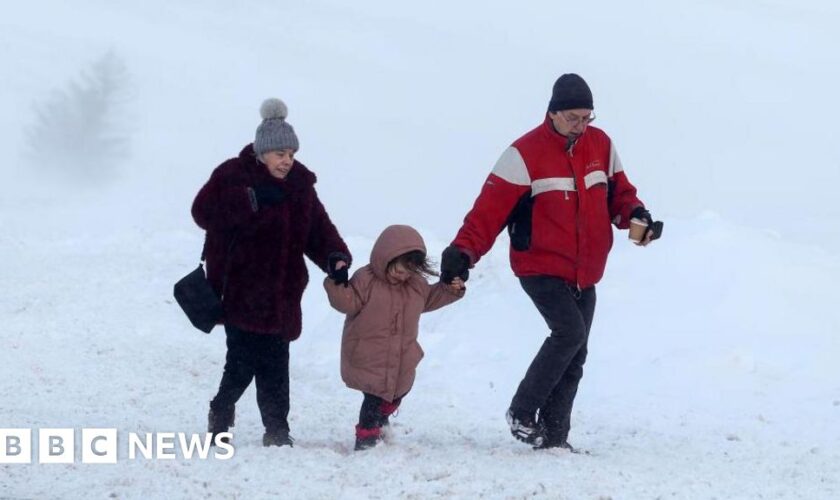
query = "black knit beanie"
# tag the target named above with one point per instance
(570, 92)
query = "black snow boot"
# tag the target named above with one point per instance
(220, 421)
(279, 437)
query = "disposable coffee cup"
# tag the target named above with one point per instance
(638, 229)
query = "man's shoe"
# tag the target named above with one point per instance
(525, 427)
(563, 445)
(560, 444)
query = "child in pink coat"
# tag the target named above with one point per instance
(383, 302)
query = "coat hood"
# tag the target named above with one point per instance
(394, 241)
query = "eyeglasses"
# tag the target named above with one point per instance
(574, 121)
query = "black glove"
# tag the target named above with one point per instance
(655, 227)
(269, 195)
(641, 213)
(339, 276)
(454, 264)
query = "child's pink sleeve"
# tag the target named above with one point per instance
(440, 294)
(348, 299)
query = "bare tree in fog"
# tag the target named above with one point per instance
(81, 131)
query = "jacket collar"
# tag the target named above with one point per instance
(299, 176)
(561, 140)
(549, 130)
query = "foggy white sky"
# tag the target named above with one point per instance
(402, 110)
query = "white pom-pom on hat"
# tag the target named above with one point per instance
(273, 108)
(274, 133)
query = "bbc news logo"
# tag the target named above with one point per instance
(100, 446)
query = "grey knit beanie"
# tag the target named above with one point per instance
(274, 134)
(570, 91)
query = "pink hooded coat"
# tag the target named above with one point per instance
(379, 349)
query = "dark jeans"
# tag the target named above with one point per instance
(375, 411)
(264, 357)
(551, 382)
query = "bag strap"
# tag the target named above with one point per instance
(232, 244)
(227, 262)
(204, 249)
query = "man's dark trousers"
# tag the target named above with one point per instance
(551, 382)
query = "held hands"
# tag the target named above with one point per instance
(457, 285)
(338, 269)
(454, 264)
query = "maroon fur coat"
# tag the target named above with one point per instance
(254, 255)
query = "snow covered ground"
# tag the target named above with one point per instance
(713, 367)
(712, 373)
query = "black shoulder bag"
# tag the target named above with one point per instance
(197, 298)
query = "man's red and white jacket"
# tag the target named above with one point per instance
(576, 194)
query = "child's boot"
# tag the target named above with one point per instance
(387, 409)
(367, 438)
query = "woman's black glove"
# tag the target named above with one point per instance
(269, 195)
(339, 276)
(454, 264)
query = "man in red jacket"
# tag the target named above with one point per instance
(558, 189)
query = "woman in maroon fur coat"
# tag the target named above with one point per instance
(262, 215)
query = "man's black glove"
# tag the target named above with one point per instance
(269, 195)
(454, 264)
(654, 226)
(339, 276)
(641, 213)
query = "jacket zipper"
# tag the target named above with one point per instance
(578, 224)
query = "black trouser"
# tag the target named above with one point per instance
(375, 411)
(551, 382)
(266, 358)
